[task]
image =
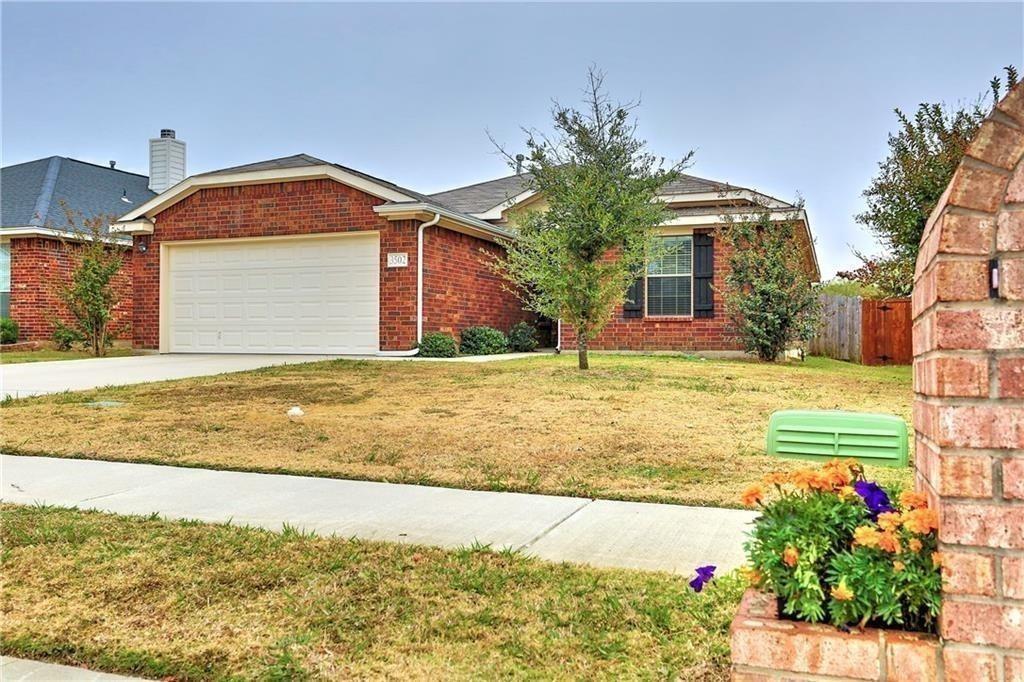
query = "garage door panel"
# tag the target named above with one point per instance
(285, 296)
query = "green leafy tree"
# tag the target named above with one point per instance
(88, 295)
(769, 297)
(923, 155)
(575, 260)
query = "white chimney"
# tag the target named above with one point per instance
(166, 161)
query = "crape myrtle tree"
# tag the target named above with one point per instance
(924, 153)
(88, 294)
(575, 260)
(769, 297)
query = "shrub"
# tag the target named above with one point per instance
(835, 547)
(522, 338)
(8, 330)
(483, 341)
(64, 337)
(437, 345)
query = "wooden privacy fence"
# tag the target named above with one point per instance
(862, 330)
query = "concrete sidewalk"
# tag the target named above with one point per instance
(598, 532)
(18, 669)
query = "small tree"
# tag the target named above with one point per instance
(769, 298)
(576, 260)
(88, 295)
(923, 155)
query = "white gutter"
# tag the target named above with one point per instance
(419, 292)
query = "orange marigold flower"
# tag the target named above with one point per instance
(889, 521)
(847, 491)
(915, 545)
(752, 495)
(936, 559)
(841, 592)
(889, 542)
(805, 479)
(921, 521)
(898, 566)
(837, 473)
(790, 556)
(752, 575)
(913, 500)
(776, 478)
(866, 536)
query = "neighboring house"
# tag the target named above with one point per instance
(37, 244)
(299, 255)
(677, 306)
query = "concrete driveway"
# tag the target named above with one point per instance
(21, 380)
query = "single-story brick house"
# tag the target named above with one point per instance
(299, 255)
(38, 246)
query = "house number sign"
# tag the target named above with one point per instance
(398, 260)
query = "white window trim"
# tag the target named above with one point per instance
(647, 276)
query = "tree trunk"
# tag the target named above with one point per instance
(581, 351)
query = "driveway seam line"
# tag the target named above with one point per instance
(555, 525)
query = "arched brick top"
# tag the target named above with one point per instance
(969, 396)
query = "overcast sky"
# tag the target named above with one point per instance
(784, 98)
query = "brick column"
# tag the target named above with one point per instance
(969, 403)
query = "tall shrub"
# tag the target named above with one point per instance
(88, 295)
(769, 297)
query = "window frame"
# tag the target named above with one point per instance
(647, 276)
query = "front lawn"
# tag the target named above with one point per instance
(194, 601)
(47, 354)
(654, 428)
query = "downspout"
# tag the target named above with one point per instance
(558, 340)
(419, 292)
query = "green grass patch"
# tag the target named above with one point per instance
(191, 601)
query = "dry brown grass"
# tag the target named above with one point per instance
(188, 601)
(655, 428)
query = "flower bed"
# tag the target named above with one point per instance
(765, 647)
(846, 580)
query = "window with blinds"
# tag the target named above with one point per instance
(670, 279)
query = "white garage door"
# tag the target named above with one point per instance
(303, 295)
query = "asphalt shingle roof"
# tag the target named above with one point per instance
(31, 193)
(304, 160)
(483, 196)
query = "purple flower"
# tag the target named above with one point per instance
(874, 497)
(704, 574)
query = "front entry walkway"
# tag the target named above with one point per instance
(597, 532)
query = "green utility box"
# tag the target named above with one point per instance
(823, 435)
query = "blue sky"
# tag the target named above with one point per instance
(784, 98)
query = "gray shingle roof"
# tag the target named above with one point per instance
(31, 193)
(304, 160)
(483, 196)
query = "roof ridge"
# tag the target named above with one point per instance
(102, 167)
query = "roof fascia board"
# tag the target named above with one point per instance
(195, 183)
(7, 233)
(416, 210)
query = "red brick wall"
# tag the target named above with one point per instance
(457, 291)
(38, 265)
(969, 404)
(669, 333)
(460, 290)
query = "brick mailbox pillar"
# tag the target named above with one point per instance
(968, 309)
